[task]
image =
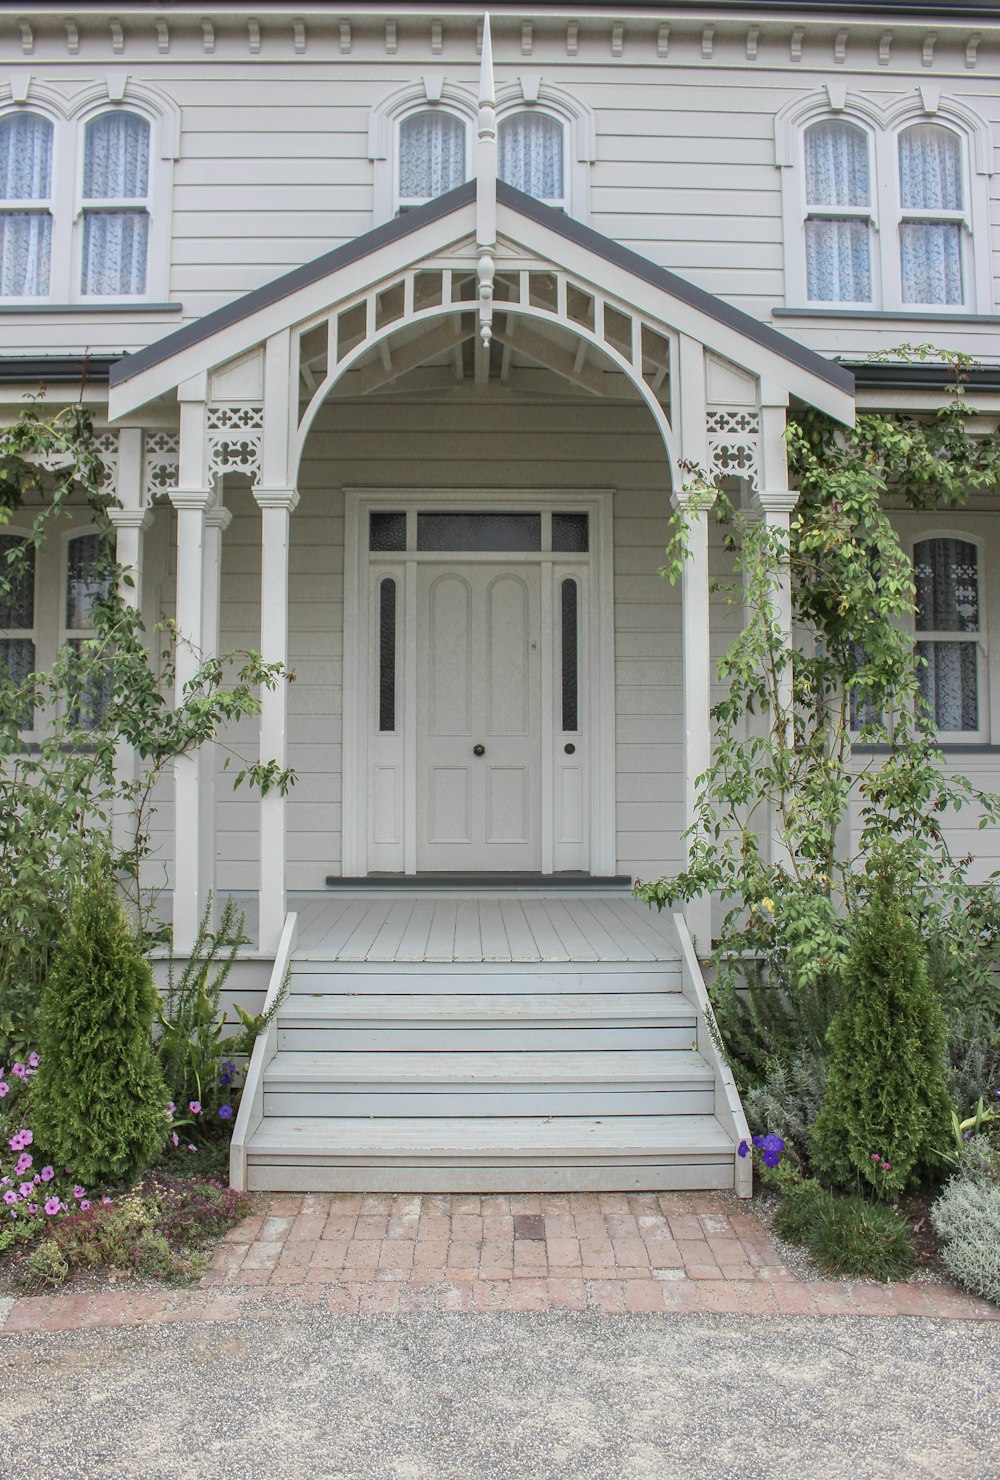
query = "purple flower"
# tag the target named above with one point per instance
(4, 1088)
(84, 1205)
(175, 1138)
(169, 1112)
(195, 1107)
(79, 1192)
(17, 1141)
(33, 1061)
(966, 1135)
(32, 1208)
(225, 1112)
(192, 1148)
(20, 1071)
(743, 1149)
(23, 1163)
(47, 1174)
(52, 1207)
(105, 1200)
(10, 1196)
(27, 1188)
(27, 1137)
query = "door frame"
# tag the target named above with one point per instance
(360, 667)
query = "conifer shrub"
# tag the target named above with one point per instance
(886, 1106)
(98, 1099)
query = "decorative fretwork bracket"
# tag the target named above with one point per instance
(235, 438)
(734, 445)
(159, 464)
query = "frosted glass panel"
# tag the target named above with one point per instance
(387, 532)
(479, 531)
(570, 532)
(570, 656)
(387, 656)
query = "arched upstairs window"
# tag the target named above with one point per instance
(115, 205)
(838, 226)
(25, 205)
(432, 156)
(932, 197)
(531, 147)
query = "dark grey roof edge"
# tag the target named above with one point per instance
(872, 374)
(698, 298)
(56, 369)
(290, 282)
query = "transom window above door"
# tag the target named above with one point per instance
(479, 530)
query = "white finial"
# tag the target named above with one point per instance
(486, 186)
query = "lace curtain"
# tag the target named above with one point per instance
(930, 179)
(947, 581)
(116, 167)
(531, 155)
(838, 248)
(431, 155)
(25, 236)
(17, 613)
(87, 582)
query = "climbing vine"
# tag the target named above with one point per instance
(832, 731)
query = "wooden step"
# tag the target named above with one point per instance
(496, 1155)
(502, 1008)
(315, 978)
(485, 1083)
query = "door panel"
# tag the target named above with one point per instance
(478, 681)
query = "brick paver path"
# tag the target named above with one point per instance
(369, 1253)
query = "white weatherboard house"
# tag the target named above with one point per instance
(398, 327)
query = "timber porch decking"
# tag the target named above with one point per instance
(520, 1040)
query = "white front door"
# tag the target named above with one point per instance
(478, 743)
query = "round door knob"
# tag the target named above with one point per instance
(570, 749)
(479, 750)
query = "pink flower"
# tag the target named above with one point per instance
(195, 1107)
(876, 1156)
(79, 1192)
(23, 1163)
(19, 1070)
(27, 1188)
(175, 1138)
(26, 1138)
(32, 1208)
(84, 1205)
(10, 1196)
(33, 1061)
(47, 1174)
(169, 1112)
(105, 1200)
(887, 1166)
(52, 1207)
(192, 1148)
(4, 1088)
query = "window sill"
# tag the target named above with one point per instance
(117, 306)
(927, 316)
(946, 747)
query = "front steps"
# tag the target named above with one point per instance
(495, 1078)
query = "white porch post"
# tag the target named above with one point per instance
(775, 501)
(192, 499)
(277, 500)
(697, 658)
(130, 521)
(217, 521)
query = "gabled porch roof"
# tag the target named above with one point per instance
(524, 226)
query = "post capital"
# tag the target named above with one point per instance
(139, 519)
(776, 501)
(219, 518)
(199, 500)
(696, 500)
(276, 498)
